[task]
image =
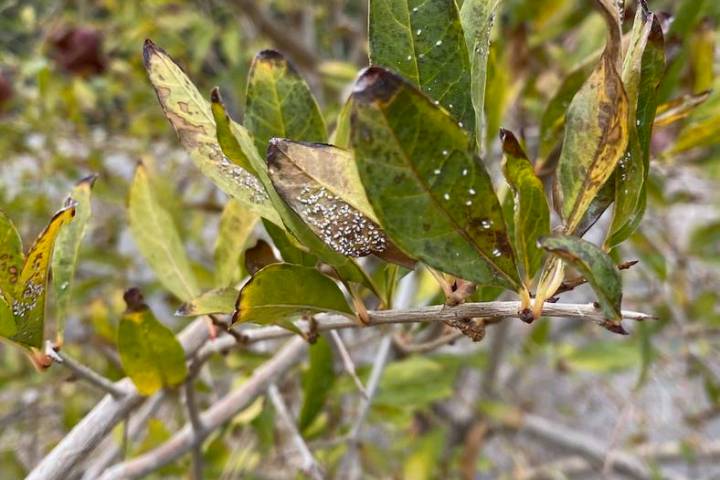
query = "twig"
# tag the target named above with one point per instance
(111, 451)
(492, 312)
(592, 450)
(96, 425)
(407, 348)
(85, 373)
(197, 428)
(278, 34)
(310, 466)
(569, 285)
(351, 463)
(212, 418)
(348, 362)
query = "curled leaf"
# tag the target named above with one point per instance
(281, 293)
(598, 269)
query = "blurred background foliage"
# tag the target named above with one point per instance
(75, 100)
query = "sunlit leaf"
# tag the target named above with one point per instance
(642, 72)
(281, 293)
(67, 246)
(236, 226)
(150, 354)
(225, 137)
(433, 198)
(11, 258)
(531, 211)
(317, 382)
(29, 302)
(191, 116)
(597, 268)
(423, 41)
(596, 130)
(477, 19)
(219, 300)
(279, 103)
(158, 240)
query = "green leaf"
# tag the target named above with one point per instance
(477, 19)
(596, 131)
(317, 382)
(281, 293)
(67, 246)
(7, 320)
(346, 267)
(236, 226)
(602, 357)
(432, 196)
(11, 258)
(642, 71)
(150, 354)
(279, 103)
(290, 250)
(703, 126)
(219, 300)
(340, 137)
(225, 137)
(28, 305)
(191, 116)
(531, 212)
(158, 240)
(423, 41)
(597, 268)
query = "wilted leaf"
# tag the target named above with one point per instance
(220, 300)
(531, 212)
(423, 41)
(191, 116)
(28, 305)
(433, 198)
(281, 293)
(477, 18)
(317, 382)
(346, 267)
(150, 354)
(236, 226)
(597, 268)
(279, 103)
(596, 131)
(66, 251)
(11, 258)
(158, 240)
(642, 71)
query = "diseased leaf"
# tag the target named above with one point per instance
(321, 184)
(225, 137)
(260, 256)
(66, 251)
(219, 300)
(317, 382)
(596, 131)
(150, 354)
(642, 71)
(553, 119)
(28, 305)
(236, 226)
(11, 258)
(281, 293)
(158, 240)
(191, 116)
(597, 268)
(423, 41)
(432, 196)
(477, 18)
(531, 212)
(346, 267)
(279, 103)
